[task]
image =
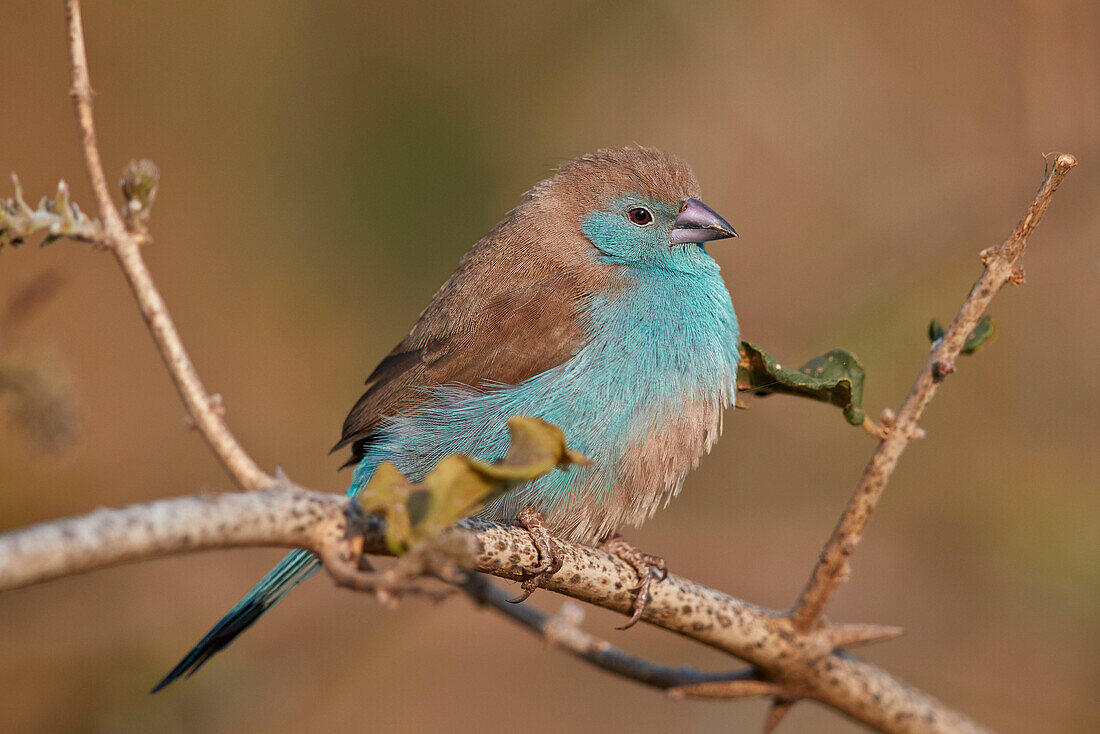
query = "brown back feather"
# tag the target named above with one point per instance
(510, 310)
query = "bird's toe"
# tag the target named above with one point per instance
(646, 565)
(550, 561)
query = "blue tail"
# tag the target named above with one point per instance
(298, 566)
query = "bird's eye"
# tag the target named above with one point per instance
(640, 216)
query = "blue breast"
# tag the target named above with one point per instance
(656, 341)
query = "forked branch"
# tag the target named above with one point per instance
(793, 654)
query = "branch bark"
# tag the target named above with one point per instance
(281, 516)
(791, 665)
(1001, 266)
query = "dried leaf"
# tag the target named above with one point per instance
(387, 494)
(459, 485)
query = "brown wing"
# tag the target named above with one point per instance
(499, 318)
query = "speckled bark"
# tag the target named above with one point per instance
(801, 665)
(286, 516)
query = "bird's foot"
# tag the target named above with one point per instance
(549, 560)
(644, 564)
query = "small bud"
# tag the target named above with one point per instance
(140, 180)
(62, 204)
(941, 369)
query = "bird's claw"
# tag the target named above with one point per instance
(644, 564)
(549, 560)
(528, 587)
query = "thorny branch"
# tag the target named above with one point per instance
(794, 654)
(1001, 267)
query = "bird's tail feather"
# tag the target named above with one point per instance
(298, 566)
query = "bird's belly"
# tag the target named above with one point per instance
(641, 451)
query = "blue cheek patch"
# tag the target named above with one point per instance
(620, 241)
(614, 236)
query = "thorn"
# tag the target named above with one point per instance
(941, 369)
(20, 203)
(216, 404)
(848, 635)
(780, 707)
(739, 688)
(1018, 275)
(63, 207)
(887, 418)
(888, 421)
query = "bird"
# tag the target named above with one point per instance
(593, 305)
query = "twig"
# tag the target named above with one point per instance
(563, 631)
(126, 246)
(1001, 267)
(53, 219)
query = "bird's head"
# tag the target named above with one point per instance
(636, 206)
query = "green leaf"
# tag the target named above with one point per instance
(459, 486)
(983, 332)
(835, 377)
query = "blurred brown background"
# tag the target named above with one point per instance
(324, 166)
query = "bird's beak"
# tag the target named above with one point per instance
(697, 222)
